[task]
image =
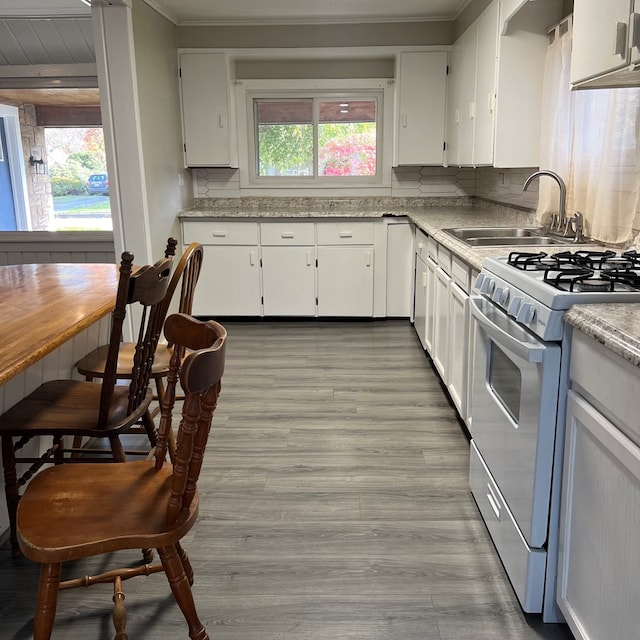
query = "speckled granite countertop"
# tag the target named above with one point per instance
(617, 326)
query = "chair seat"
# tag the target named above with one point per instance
(93, 364)
(71, 407)
(129, 513)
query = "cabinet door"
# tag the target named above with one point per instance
(598, 588)
(400, 258)
(420, 300)
(288, 281)
(345, 281)
(430, 320)
(421, 113)
(600, 37)
(467, 44)
(485, 95)
(207, 117)
(458, 328)
(229, 283)
(441, 325)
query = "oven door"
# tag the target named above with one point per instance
(514, 407)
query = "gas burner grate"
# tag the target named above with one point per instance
(526, 261)
(566, 276)
(633, 256)
(626, 276)
(591, 259)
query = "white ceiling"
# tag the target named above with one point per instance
(260, 11)
(306, 11)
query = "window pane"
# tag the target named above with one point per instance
(284, 137)
(347, 138)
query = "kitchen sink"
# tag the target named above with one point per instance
(505, 236)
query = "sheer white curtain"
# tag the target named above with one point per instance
(590, 138)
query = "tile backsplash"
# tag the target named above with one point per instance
(499, 185)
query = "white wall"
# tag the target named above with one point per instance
(168, 184)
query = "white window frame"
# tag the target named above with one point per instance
(356, 89)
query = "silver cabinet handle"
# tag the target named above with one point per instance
(346, 234)
(219, 234)
(287, 234)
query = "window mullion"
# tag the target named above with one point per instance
(316, 119)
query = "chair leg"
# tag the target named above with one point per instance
(11, 489)
(182, 591)
(116, 449)
(47, 600)
(186, 564)
(150, 427)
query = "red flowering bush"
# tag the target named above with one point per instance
(350, 155)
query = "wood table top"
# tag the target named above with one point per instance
(44, 305)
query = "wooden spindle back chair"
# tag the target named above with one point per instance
(70, 512)
(70, 408)
(92, 366)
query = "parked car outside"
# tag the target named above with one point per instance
(98, 183)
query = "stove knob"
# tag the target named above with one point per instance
(514, 306)
(479, 280)
(487, 286)
(526, 313)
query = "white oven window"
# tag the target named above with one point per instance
(505, 380)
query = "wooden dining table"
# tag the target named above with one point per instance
(42, 306)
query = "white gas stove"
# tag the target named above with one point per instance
(519, 389)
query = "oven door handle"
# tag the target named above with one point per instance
(525, 351)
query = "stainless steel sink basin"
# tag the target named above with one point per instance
(530, 240)
(504, 236)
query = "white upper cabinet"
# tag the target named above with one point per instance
(605, 41)
(495, 85)
(472, 88)
(421, 91)
(208, 115)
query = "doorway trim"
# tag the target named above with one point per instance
(11, 118)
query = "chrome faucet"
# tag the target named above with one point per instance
(577, 221)
(557, 220)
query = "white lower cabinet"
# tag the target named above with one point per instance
(229, 282)
(441, 315)
(345, 281)
(598, 590)
(288, 281)
(458, 329)
(440, 352)
(420, 301)
(430, 320)
(219, 293)
(598, 586)
(288, 267)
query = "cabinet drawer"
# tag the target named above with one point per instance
(524, 565)
(444, 259)
(345, 232)
(287, 233)
(432, 249)
(210, 232)
(460, 273)
(421, 244)
(608, 381)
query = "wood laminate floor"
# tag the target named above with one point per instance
(335, 505)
